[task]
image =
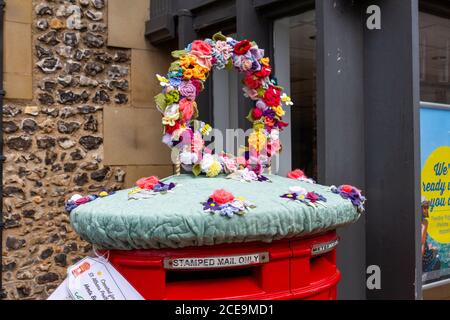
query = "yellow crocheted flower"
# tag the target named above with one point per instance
(279, 111)
(257, 140)
(188, 61)
(265, 62)
(199, 72)
(188, 73)
(214, 169)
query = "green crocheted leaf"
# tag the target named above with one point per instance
(160, 101)
(196, 170)
(178, 53)
(219, 37)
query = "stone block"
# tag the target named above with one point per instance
(18, 52)
(18, 86)
(132, 136)
(19, 11)
(126, 23)
(144, 85)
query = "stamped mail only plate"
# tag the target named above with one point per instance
(324, 247)
(219, 262)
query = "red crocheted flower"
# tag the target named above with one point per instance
(221, 197)
(252, 82)
(171, 129)
(272, 96)
(242, 47)
(296, 174)
(264, 72)
(257, 113)
(147, 183)
(346, 188)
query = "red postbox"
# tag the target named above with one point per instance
(299, 268)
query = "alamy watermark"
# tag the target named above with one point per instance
(373, 22)
(373, 281)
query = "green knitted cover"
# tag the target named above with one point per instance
(177, 219)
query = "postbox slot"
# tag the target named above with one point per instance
(322, 267)
(237, 282)
(208, 275)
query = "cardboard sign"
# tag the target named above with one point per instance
(216, 262)
(94, 279)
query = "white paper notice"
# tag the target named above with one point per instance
(97, 279)
(61, 293)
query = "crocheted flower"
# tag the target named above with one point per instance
(188, 158)
(272, 97)
(172, 97)
(207, 161)
(273, 147)
(211, 205)
(186, 108)
(264, 72)
(281, 124)
(188, 61)
(257, 53)
(241, 161)
(171, 114)
(351, 193)
(221, 196)
(242, 47)
(257, 113)
(252, 82)
(257, 140)
(147, 183)
(214, 169)
(250, 93)
(246, 64)
(311, 196)
(169, 129)
(163, 187)
(290, 196)
(188, 73)
(202, 50)
(198, 85)
(279, 111)
(197, 143)
(223, 49)
(296, 174)
(298, 190)
(261, 105)
(201, 47)
(199, 72)
(346, 188)
(265, 61)
(228, 164)
(188, 90)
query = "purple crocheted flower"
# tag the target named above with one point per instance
(188, 90)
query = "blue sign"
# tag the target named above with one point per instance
(435, 190)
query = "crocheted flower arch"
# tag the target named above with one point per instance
(185, 81)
